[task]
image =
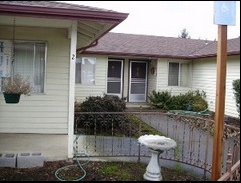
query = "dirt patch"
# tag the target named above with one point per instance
(94, 171)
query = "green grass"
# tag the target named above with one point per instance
(144, 128)
(115, 171)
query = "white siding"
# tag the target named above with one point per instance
(152, 77)
(162, 78)
(204, 78)
(48, 112)
(99, 88)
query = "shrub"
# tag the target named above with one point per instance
(197, 100)
(103, 122)
(107, 103)
(160, 99)
(236, 91)
(192, 100)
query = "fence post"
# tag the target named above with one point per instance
(236, 149)
(139, 145)
(229, 163)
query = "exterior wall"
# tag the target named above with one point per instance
(100, 87)
(152, 77)
(162, 78)
(202, 75)
(48, 112)
(204, 78)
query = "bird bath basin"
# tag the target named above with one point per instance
(157, 144)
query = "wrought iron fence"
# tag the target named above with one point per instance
(115, 134)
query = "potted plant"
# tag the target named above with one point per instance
(14, 86)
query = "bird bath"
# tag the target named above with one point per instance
(157, 144)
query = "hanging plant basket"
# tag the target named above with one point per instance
(11, 98)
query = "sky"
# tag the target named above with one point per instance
(168, 18)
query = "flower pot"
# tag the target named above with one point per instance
(11, 98)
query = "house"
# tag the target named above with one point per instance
(69, 54)
(40, 39)
(132, 66)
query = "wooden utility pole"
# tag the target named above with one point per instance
(220, 102)
(224, 15)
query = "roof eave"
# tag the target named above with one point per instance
(62, 13)
(133, 54)
(232, 53)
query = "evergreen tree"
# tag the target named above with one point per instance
(184, 34)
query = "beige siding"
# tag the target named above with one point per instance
(99, 88)
(152, 77)
(48, 112)
(204, 78)
(162, 78)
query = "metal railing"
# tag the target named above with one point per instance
(112, 134)
(232, 172)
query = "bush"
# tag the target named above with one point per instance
(107, 103)
(236, 91)
(192, 100)
(160, 99)
(102, 122)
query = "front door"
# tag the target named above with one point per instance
(114, 77)
(138, 81)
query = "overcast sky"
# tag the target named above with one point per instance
(167, 18)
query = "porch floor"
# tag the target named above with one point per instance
(53, 147)
(136, 105)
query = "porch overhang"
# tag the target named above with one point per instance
(93, 23)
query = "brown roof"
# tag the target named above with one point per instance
(59, 10)
(120, 44)
(52, 4)
(233, 48)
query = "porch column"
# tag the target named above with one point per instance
(73, 45)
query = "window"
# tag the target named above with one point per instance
(29, 60)
(178, 74)
(85, 70)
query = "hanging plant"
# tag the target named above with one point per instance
(14, 86)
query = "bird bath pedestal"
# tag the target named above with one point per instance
(153, 170)
(157, 144)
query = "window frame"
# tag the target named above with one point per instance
(80, 80)
(180, 63)
(12, 65)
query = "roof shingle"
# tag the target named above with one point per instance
(54, 4)
(158, 46)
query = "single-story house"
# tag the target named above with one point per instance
(69, 54)
(40, 39)
(132, 66)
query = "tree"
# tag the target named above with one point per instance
(184, 34)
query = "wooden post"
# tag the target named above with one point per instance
(220, 103)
